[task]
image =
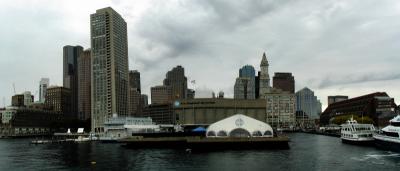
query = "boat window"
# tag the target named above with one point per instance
(395, 123)
(222, 133)
(211, 134)
(239, 132)
(391, 134)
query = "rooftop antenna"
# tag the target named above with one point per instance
(4, 102)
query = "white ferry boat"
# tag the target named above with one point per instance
(389, 137)
(355, 133)
(117, 128)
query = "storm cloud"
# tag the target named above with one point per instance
(333, 47)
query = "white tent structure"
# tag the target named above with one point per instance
(239, 126)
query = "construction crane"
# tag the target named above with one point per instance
(14, 88)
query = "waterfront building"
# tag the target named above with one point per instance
(109, 49)
(308, 103)
(284, 81)
(281, 108)
(161, 94)
(338, 98)
(116, 128)
(84, 85)
(22, 100)
(18, 122)
(205, 111)
(263, 77)
(378, 106)
(70, 74)
(44, 83)
(177, 80)
(134, 80)
(245, 84)
(160, 113)
(304, 121)
(239, 125)
(58, 99)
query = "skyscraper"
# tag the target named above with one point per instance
(84, 85)
(70, 74)
(284, 81)
(245, 84)
(308, 103)
(134, 80)
(263, 77)
(177, 81)
(44, 83)
(109, 42)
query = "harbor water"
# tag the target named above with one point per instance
(307, 152)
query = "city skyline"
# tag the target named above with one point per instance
(359, 59)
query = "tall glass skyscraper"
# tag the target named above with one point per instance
(109, 42)
(70, 75)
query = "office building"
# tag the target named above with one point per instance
(44, 83)
(177, 81)
(22, 100)
(377, 106)
(109, 45)
(70, 74)
(245, 84)
(284, 81)
(58, 99)
(338, 98)
(161, 94)
(160, 113)
(84, 85)
(134, 101)
(134, 80)
(308, 103)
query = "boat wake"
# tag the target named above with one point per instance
(377, 158)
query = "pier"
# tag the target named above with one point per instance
(203, 143)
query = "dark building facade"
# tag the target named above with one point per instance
(177, 81)
(134, 80)
(134, 102)
(17, 100)
(338, 98)
(284, 81)
(160, 113)
(378, 106)
(58, 100)
(84, 85)
(70, 74)
(257, 85)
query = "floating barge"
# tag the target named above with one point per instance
(204, 143)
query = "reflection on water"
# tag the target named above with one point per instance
(308, 152)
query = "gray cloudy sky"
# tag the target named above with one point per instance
(348, 47)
